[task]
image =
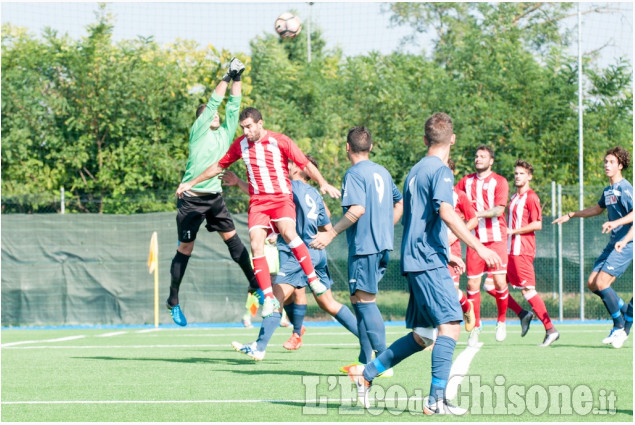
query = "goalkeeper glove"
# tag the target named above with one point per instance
(236, 68)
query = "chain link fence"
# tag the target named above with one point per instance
(43, 248)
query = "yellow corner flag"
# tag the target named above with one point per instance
(153, 266)
(153, 258)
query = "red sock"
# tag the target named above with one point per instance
(539, 308)
(513, 305)
(490, 289)
(465, 306)
(502, 297)
(261, 270)
(476, 301)
(301, 253)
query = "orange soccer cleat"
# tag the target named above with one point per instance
(293, 343)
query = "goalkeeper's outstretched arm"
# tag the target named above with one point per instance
(211, 171)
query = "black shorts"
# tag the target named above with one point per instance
(192, 211)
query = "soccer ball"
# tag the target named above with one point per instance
(288, 25)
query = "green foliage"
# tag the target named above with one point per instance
(109, 121)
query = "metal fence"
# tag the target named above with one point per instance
(116, 244)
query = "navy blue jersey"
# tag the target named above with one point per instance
(618, 201)
(370, 185)
(310, 212)
(425, 238)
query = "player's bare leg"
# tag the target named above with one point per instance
(296, 312)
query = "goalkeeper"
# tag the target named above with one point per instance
(209, 140)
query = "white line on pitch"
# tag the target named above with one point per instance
(111, 334)
(308, 402)
(460, 367)
(145, 331)
(66, 338)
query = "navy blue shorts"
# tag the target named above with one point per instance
(612, 262)
(365, 271)
(433, 300)
(292, 274)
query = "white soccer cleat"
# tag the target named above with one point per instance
(356, 373)
(442, 407)
(269, 306)
(501, 331)
(609, 339)
(317, 287)
(249, 350)
(619, 336)
(550, 339)
(472, 340)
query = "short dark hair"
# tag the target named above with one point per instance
(451, 164)
(250, 112)
(439, 128)
(312, 160)
(524, 164)
(486, 148)
(200, 109)
(622, 155)
(359, 139)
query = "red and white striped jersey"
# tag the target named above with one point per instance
(266, 161)
(523, 210)
(485, 194)
(463, 207)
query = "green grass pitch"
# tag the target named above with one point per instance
(192, 374)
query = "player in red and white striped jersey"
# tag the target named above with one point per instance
(488, 193)
(525, 218)
(266, 154)
(463, 207)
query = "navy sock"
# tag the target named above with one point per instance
(623, 306)
(611, 301)
(374, 326)
(289, 310)
(402, 348)
(366, 350)
(347, 319)
(441, 364)
(299, 311)
(628, 317)
(268, 327)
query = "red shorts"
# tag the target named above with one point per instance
(520, 271)
(476, 267)
(265, 210)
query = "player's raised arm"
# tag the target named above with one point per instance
(316, 176)
(232, 109)
(211, 171)
(456, 225)
(587, 212)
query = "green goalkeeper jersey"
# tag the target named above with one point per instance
(208, 146)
